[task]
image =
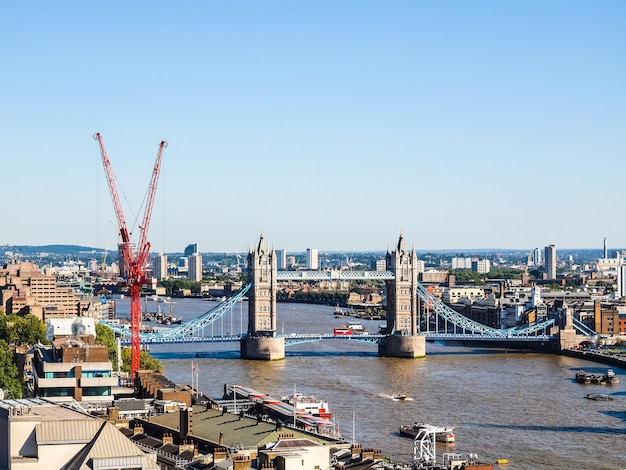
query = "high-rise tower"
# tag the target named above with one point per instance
(550, 261)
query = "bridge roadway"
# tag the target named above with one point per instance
(332, 275)
(300, 338)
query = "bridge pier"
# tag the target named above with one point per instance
(410, 347)
(262, 348)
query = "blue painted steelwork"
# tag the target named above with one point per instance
(186, 331)
(582, 328)
(469, 326)
(191, 331)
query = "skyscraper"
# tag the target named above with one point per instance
(159, 266)
(621, 276)
(191, 249)
(281, 259)
(537, 261)
(312, 258)
(550, 261)
(195, 267)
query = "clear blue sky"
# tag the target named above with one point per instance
(327, 124)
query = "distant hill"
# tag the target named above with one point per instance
(51, 249)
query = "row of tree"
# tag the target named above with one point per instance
(106, 336)
(15, 331)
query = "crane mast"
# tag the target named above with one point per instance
(134, 261)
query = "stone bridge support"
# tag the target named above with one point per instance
(261, 342)
(402, 306)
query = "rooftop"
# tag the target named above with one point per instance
(210, 424)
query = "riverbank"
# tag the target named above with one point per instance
(599, 356)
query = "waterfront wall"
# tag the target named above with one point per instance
(602, 358)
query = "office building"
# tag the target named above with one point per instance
(537, 260)
(281, 259)
(380, 265)
(312, 258)
(482, 266)
(461, 263)
(621, 276)
(159, 266)
(190, 249)
(195, 267)
(550, 261)
(24, 289)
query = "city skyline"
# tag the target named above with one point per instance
(329, 125)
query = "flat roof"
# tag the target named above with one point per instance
(37, 409)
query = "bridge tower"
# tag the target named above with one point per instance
(261, 342)
(402, 307)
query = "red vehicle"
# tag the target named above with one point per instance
(342, 331)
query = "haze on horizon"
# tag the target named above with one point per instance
(332, 125)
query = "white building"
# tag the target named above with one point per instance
(452, 295)
(621, 278)
(537, 260)
(195, 267)
(482, 266)
(312, 258)
(550, 261)
(461, 263)
(159, 268)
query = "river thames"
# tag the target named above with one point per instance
(524, 407)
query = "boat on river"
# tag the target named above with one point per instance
(401, 397)
(598, 397)
(445, 434)
(356, 327)
(308, 404)
(608, 378)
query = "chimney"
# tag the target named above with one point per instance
(114, 413)
(219, 454)
(241, 462)
(185, 424)
(137, 430)
(167, 438)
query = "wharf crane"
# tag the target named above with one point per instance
(133, 262)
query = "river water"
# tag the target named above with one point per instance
(524, 407)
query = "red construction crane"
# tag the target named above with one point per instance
(133, 260)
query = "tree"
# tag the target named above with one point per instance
(146, 361)
(9, 380)
(106, 336)
(18, 330)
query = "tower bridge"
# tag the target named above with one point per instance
(407, 299)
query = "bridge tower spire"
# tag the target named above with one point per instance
(261, 341)
(402, 307)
